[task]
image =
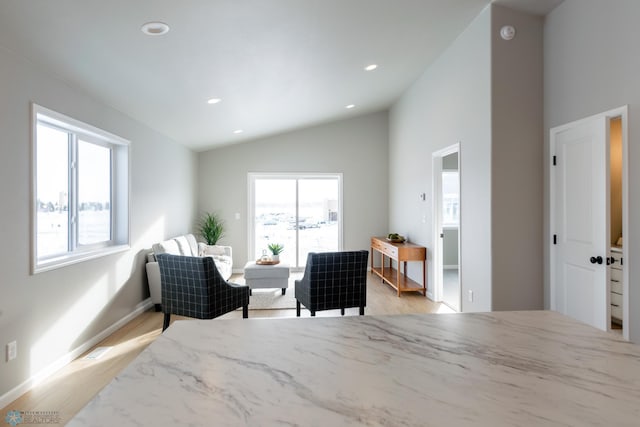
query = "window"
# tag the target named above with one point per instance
(301, 211)
(80, 191)
(450, 198)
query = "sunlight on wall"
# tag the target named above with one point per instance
(125, 264)
(153, 234)
(61, 336)
(60, 339)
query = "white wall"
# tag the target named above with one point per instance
(356, 147)
(52, 313)
(450, 103)
(486, 94)
(516, 161)
(591, 66)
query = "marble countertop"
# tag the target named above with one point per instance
(530, 368)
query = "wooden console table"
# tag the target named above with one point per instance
(401, 253)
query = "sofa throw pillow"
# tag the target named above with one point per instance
(183, 244)
(212, 250)
(167, 247)
(193, 244)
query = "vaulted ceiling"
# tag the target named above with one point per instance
(276, 65)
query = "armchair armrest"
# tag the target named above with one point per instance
(153, 278)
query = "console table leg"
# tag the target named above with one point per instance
(424, 278)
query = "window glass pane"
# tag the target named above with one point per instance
(450, 198)
(94, 193)
(52, 188)
(275, 217)
(318, 222)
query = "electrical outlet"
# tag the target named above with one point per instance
(12, 350)
(470, 296)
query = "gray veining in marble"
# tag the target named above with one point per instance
(494, 369)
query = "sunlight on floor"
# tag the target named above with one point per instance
(444, 309)
(126, 348)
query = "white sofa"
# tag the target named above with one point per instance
(186, 245)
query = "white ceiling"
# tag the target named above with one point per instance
(277, 64)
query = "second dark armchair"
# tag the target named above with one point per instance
(333, 280)
(193, 287)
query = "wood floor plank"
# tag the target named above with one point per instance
(73, 386)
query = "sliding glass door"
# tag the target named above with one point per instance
(300, 211)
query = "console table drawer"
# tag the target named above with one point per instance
(387, 249)
(377, 244)
(390, 251)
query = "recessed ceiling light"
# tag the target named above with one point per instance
(371, 67)
(350, 106)
(155, 28)
(238, 131)
(214, 101)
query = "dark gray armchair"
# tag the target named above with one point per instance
(333, 280)
(193, 287)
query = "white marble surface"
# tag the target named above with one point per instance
(484, 369)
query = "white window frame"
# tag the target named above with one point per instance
(120, 174)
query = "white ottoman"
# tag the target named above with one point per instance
(258, 276)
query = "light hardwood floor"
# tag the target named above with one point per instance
(72, 387)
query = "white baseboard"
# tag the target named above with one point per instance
(43, 374)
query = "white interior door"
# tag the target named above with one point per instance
(579, 221)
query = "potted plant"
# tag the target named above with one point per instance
(211, 228)
(276, 249)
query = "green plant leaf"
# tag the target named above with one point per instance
(275, 248)
(211, 227)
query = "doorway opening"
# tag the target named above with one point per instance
(446, 255)
(615, 214)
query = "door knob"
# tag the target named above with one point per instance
(596, 260)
